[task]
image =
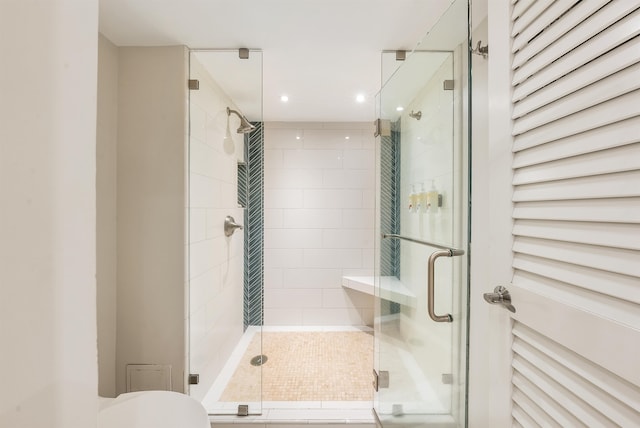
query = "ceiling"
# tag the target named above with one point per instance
(321, 53)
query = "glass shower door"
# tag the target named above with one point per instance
(421, 281)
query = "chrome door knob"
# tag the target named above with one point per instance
(500, 296)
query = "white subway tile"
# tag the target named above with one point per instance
(358, 218)
(282, 258)
(357, 272)
(273, 277)
(197, 224)
(359, 159)
(347, 238)
(287, 316)
(312, 218)
(312, 278)
(331, 258)
(318, 159)
(283, 138)
(346, 298)
(327, 199)
(293, 238)
(200, 259)
(202, 191)
(292, 298)
(273, 218)
(273, 159)
(368, 199)
(293, 179)
(197, 123)
(349, 179)
(283, 198)
(331, 316)
(201, 158)
(327, 138)
(368, 258)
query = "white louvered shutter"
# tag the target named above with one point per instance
(576, 196)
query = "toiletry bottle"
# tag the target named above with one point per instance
(432, 198)
(412, 199)
(421, 204)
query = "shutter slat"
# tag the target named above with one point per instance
(599, 401)
(526, 37)
(624, 262)
(616, 110)
(617, 387)
(604, 282)
(534, 416)
(539, 370)
(606, 137)
(616, 235)
(596, 23)
(620, 185)
(621, 83)
(604, 306)
(521, 418)
(626, 158)
(537, 388)
(520, 7)
(616, 60)
(529, 15)
(623, 210)
(597, 46)
(578, 13)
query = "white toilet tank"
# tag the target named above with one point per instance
(152, 409)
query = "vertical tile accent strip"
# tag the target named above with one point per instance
(390, 205)
(254, 225)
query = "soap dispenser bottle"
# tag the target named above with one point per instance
(412, 199)
(432, 198)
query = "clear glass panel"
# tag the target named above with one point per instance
(225, 311)
(423, 170)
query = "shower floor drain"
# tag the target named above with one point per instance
(258, 360)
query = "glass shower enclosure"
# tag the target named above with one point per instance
(422, 230)
(225, 288)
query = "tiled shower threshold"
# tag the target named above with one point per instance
(290, 412)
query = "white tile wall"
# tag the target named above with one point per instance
(319, 218)
(215, 261)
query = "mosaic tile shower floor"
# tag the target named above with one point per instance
(305, 366)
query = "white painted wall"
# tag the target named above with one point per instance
(151, 196)
(48, 213)
(216, 261)
(106, 176)
(319, 214)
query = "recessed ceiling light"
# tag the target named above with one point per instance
(284, 98)
(346, 138)
(399, 108)
(360, 98)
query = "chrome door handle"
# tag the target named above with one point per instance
(430, 283)
(500, 296)
(230, 226)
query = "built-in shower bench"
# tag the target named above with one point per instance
(391, 288)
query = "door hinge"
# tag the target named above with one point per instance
(194, 379)
(194, 84)
(380, 380)
(382, 128)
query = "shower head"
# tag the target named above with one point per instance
(245, 126)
